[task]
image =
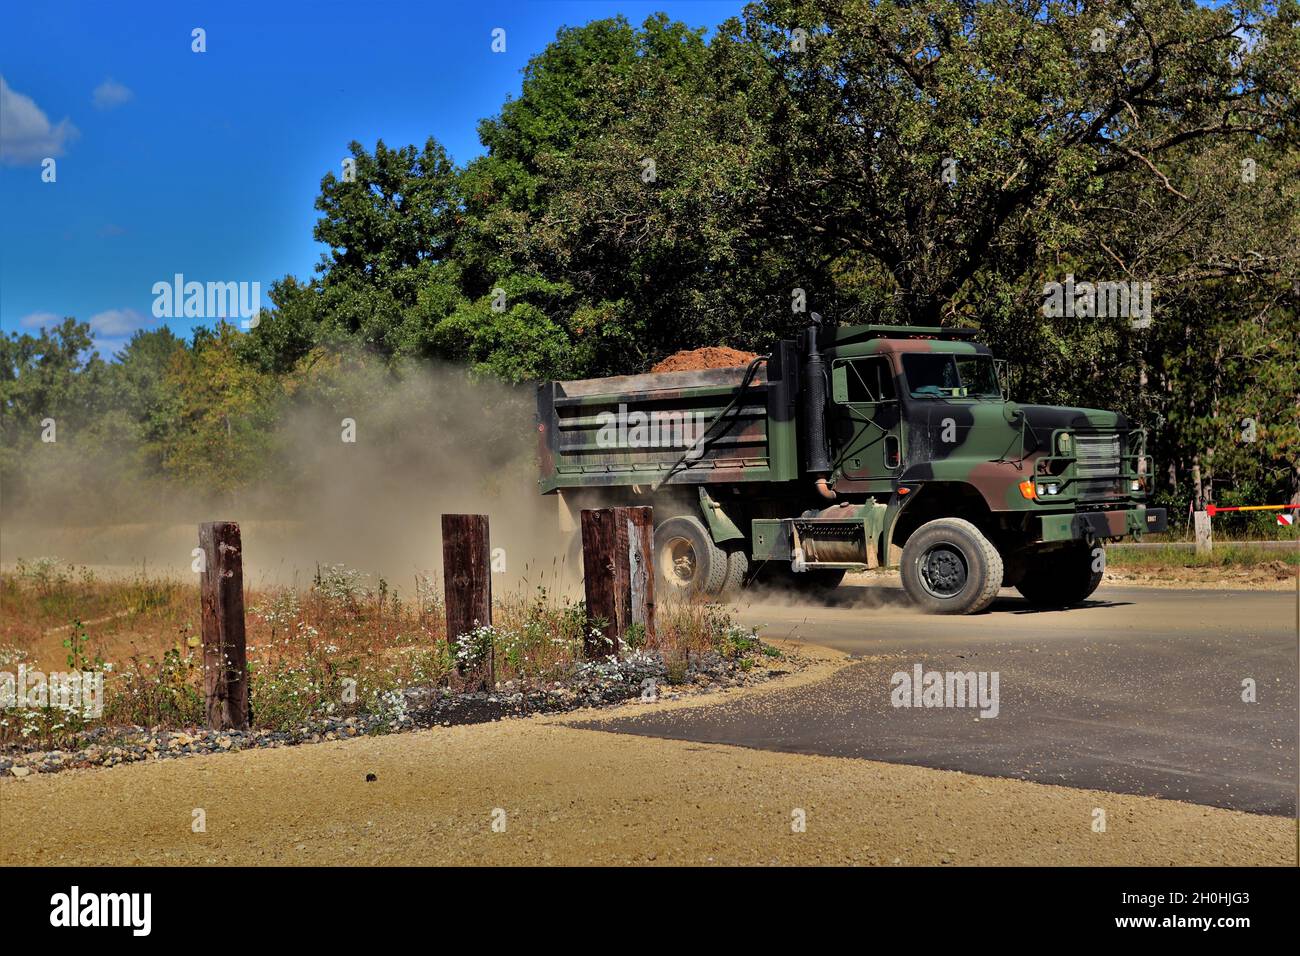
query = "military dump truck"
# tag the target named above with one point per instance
(851, 448)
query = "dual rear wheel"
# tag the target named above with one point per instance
(691, 564)
(688, 561)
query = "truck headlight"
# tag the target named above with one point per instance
(1063, 444)
(1049, 489)
(1135, 485)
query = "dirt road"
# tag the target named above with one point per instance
(572, 796)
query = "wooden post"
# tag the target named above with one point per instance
(225, 656)
(599, 584)
(467, 577)
(641, 564)
(1204, 537)
(618, 558)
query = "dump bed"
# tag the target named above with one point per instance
(692, 427)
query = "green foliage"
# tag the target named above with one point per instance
(634, 638)
(158, 692)
(77, 644)
(738, 641)
(219, 415)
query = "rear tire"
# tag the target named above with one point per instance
(1061, 578)
(687, 562)
(949, 567)
(737, 571)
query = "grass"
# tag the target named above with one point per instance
(345, 645)
(1224, 555)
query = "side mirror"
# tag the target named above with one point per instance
(840, 384)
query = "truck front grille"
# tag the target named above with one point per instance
(1099, 467)
(1098, 456)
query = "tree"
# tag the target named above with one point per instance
(937, 139)
(389, 276)
(219, 416)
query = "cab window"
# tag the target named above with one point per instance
(938, 375)
(869, 381)
(979, 375)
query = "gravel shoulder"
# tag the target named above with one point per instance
(572, 796)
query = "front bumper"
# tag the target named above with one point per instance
(1103, 524)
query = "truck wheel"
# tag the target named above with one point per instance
(737, 570)
(949, 567)
(1061, 578)
(687, 561)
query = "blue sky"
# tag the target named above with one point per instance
(207, 164)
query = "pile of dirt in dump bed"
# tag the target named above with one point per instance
(708, 357)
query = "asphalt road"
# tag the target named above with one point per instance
(1139, 691)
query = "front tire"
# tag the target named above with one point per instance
(1062, 578)
(687, 561)
(949, 567)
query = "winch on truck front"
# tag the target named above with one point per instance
(853, 448)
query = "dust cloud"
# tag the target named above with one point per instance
(428, 440)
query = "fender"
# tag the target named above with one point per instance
(894, 510)
(721, 528)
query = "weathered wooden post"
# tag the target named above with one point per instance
(1204, 536)
(225, 656)
(467, 578)
(641, 561)
(600, 569)
(618, 558)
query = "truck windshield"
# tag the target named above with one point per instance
(933, 375)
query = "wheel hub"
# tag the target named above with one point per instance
(943, 571)
(681, 559)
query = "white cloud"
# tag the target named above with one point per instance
(39, 320)
(26, 135)
(110, 94)
(117, 323)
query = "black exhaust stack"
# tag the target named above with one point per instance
(816, 459)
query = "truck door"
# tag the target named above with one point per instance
(868, 439)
